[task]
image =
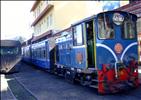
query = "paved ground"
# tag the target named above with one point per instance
(32, 84)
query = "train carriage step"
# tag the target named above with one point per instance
(85, 83)
(95, 80)
(130, 84)
(55, 73)
(120, 86)
(60, 75)
(94, 86)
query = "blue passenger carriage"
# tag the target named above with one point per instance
(43, 53)
(39, 54)
(26, 53)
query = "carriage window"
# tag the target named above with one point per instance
(41, 53)
(38, 53)
(34, 53)
(9, 50)
(105, 27)
(78, 35)
(128, 29)
(63, 46)
(44, 53)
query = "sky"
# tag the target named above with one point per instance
(16, 19)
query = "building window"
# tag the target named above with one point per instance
(38, 11)
(51, 19)
(41, 3)
(46, 1)
(40, 28)
(35, 14)
(47, 22)
(44, 20)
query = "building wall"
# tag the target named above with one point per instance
(67, 13)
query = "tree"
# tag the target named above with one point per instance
(20, 38)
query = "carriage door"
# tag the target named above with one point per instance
(90, 43)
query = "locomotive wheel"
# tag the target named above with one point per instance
(69, 78)
(82, 81)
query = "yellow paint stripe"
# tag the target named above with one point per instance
(94, 34)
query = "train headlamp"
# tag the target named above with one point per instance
(118, 18)
(136, 70)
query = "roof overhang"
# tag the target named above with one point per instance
(134, 8)
(44, 35)
(34, 5)
(9, 43)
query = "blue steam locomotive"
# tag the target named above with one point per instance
(99, 51)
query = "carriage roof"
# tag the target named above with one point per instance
(9, 43)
